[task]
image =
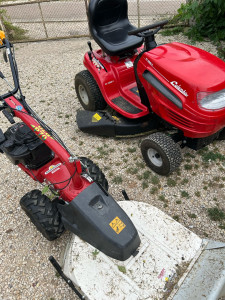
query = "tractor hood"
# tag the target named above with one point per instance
(186, 68)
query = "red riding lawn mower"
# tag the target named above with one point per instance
(150, 87)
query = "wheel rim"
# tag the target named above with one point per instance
(83, 94)
(155, 157)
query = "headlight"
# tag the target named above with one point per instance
(211, 101)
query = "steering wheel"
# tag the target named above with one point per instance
(143, 31)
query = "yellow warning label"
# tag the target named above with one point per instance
(115, 118)
(117, 225)
(96, 118)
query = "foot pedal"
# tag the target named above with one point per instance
(128, 107)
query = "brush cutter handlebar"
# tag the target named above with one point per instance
(6, 44)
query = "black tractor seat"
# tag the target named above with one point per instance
(109, 26)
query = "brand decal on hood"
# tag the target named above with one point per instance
(173, 83)
(179, 88)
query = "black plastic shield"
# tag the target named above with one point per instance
(97, 218)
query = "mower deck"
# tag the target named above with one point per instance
(103, 124)
(170, 263)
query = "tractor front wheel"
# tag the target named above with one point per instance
(43, 213)
(161, 153)
(88, 92)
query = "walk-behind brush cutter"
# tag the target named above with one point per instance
(82, 203)
(160, 260)
(150, 87)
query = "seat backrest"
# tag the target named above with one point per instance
(106, 12)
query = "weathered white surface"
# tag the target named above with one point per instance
(165, 244)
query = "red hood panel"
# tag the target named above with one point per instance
(195, 68)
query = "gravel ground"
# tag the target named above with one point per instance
(47, 71)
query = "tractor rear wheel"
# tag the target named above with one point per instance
(88, 92)
(95, 172)
(161, 153)
(43, 213)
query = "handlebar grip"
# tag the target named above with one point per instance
(8, 116)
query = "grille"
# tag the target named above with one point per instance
(180, 119)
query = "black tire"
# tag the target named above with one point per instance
(221, 136)
(88, 92)
(43, 213)
(161, 153)
(95, 172)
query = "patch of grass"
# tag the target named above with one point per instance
(162, 198)
(146, 175)
(188, 154)
(216, 178)
(216, 214)
(144, 185)
(132, 171)
(102, 151)
(171, 182)
(14, 32)
(197, 194)
(95, 253)
(122, 269)
(193, 216)
(131, 150)
(178, 201)
(176, 218)
(212, 156)
(155, 180)
(178, 172)
(153, 190)
(140, 164)
(117, 179)
(184, 194)
(184, 181)
(222, 226)
(187, 167)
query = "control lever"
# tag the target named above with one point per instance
(89, 45)
(99, 64)
(8, 116)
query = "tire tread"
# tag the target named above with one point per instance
(43, 213)
(95, 96)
